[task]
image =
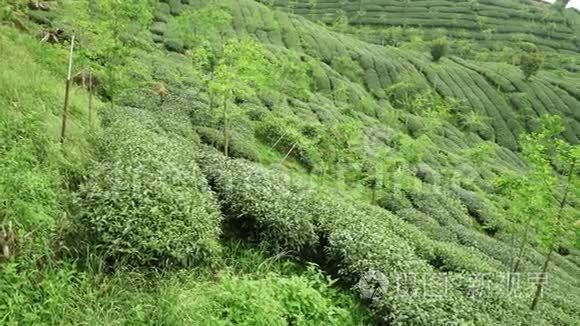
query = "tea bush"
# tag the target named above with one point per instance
(146, 202)
(265, 208)
(273, 129)
(238, 147)
(354, 239)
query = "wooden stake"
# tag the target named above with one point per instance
(226, 133)
(289, 152)
(90, 99)
(279, 139)
(67, 91)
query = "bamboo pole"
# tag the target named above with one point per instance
(289, 152)
(90, 99)
(67, 91)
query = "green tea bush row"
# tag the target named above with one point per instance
(146, 202)
(353, 239)
(238, 147)
(258, 202)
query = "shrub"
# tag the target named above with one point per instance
(530, 64)
(158, 28)
(348, 68)
(478, 209)
(146, 202)
(453, 258)
(353, 240)
(427, 224)
(394, 201)
(239, 148)
(439, 49)
(264, 210)
(175, 7)
(426, 174)
(174, 45)
(289, 137)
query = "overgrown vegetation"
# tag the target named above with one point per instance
(384, 162)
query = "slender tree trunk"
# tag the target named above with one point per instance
(67, 92)
(226, 131)
(539, 287)
(521, 251)
(520, 255)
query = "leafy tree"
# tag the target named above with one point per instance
(291, 75)
(105, 27)
(439, 49)
(339, 146)
(561, 4)
(197, 27)
(540, 198)
(242, 69)
(530, 64)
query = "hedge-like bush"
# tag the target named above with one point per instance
(353, 239)
(238, 147)
(146, 201)
(258, 203)
(290, 141)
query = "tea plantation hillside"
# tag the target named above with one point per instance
(484, 29)
(229, 162)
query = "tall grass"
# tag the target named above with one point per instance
(33, 167)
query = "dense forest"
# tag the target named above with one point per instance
(289, 162)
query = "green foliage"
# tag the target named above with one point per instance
(64, 294)
(406, 90)
(239, 146)
(439, 49)
(280, 223)
(10, 9)
(331, 98)
(60, 294)
(356, 239)
(291, 75)
(33, 166)
(348, 67)
(270, 300)
(174, 45)
(530, 63)
(415, 150)
(539, 196)
(107, 28)
(289, 140)
(240, 71)
(146, 203)
(194, 27)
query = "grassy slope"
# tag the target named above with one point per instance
(436, 210)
